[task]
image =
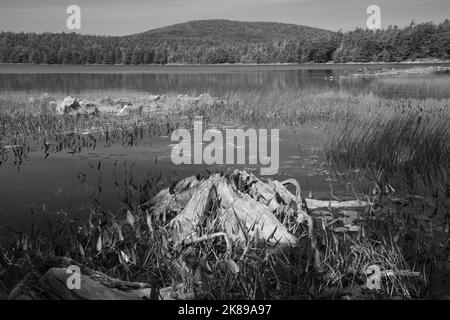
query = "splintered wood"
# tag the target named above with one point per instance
(238, 206)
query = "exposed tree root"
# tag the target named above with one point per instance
(240, 206)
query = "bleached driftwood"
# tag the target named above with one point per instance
(239, 207)
(236, 213)
(318, 204)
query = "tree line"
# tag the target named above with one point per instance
(394, 44)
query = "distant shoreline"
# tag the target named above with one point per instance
(241, 64)
(20, 68)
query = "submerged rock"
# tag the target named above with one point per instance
(124, 106)
(154, 98)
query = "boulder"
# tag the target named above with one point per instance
(69, 104)
(87, 108)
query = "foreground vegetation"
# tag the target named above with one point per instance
(394, 152)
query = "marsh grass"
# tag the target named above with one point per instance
(412, 86)
(397, 143)
(30, 122)
(406, 150)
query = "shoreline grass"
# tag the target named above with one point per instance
(398, 143)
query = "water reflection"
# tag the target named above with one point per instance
(216, 83)
(92, 81)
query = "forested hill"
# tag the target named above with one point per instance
(219, 32)
(224, 41)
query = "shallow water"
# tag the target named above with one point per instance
(66, 183)
(54, 184)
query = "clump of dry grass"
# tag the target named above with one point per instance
(410, 149)
(413, 87)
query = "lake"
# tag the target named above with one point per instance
(103, 80)
(54, 185)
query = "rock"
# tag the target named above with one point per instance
(154, 98)
(107, 100)
(87, 108)
(123, 102)
(130, 109)
(204, 100)
(69, 104)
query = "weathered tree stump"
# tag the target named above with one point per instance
(241, 207)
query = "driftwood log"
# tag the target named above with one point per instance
(49, 282)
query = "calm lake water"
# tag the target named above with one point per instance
(95, 80)
(54, 184)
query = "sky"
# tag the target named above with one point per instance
(123, 17)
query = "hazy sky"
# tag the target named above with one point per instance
(121, 17)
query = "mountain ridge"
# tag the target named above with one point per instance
(218, 30)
